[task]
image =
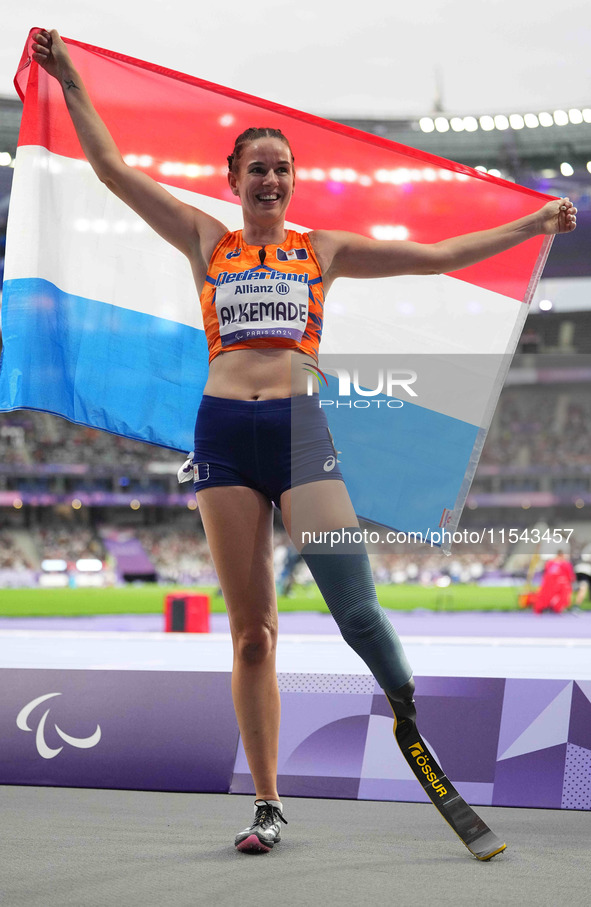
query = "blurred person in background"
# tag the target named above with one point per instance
(556, 591)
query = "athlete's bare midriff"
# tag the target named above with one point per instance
(265, 374)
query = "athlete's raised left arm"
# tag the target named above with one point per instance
(351, 255)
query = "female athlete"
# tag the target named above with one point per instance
(257, 384)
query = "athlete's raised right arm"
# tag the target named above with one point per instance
(192, 231)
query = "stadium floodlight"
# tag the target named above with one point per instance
(426, 124)
(487, 123)
(531, 121)
(89, 565)
(546, 119)
(545, 305)
(442, 124)
(589, 166)
(172, 168)
(494, 172)
(586, 114)
(566, 169)
(575, 115)
(343, 175)
(470, 124)
(54, 565)
(561, 117)
(457, 124)
(145, 160)
(516, 121)
(389, 231)
(481, 167)
(501, 122)
(131, 160)
(5, 159)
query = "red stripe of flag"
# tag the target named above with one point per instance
(175, 117)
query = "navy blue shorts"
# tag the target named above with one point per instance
(270, 445)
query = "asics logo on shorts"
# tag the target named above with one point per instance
(329, 464)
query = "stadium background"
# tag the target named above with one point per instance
(72, 496)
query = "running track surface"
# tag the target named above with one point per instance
(71, 847)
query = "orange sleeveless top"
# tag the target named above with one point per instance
(263, 296)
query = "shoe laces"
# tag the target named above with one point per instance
(267, 814)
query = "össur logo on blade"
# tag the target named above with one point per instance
(417, 752)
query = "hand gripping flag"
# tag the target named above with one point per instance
(101, 321)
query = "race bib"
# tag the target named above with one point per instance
(256, 304)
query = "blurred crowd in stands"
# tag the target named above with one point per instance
(533, 425)
(29, 438)
(11, 556)
(542, 427)
(67, 542)
(179, 553)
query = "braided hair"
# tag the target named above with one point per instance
(250, 135)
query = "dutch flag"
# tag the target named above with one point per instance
(101, 321)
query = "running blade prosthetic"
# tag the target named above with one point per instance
(469, 827)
